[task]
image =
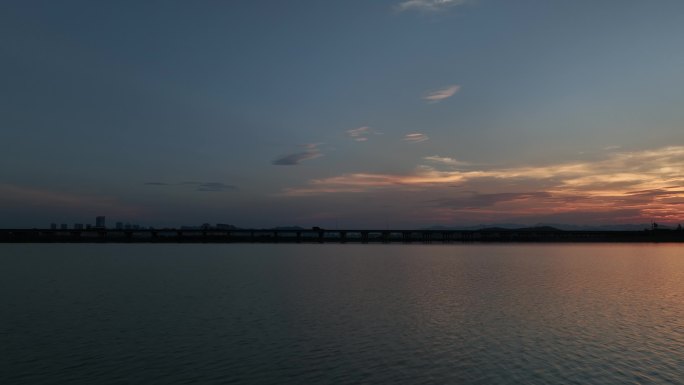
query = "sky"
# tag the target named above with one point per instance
(341, 113)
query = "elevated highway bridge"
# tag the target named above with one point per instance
(329, 236)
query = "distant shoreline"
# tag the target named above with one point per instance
(334, 236)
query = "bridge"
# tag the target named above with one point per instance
(329, 236)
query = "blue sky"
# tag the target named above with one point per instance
(341, 113)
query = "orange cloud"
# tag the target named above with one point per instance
(415, 137)
(361, 134)
(441, 94)
(650, 183)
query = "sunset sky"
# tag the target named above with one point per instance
(342, 113)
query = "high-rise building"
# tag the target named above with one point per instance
(119, 225)
(78, 226)
(100, 222)
(53, 226)
(63, 226)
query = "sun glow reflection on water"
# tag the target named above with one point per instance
(273, 314)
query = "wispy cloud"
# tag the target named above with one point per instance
(361, 134)
(199, 186)
(215, 186)
(311, 151)
(211, 186)
(478, 200)
(444, 160)
(415, 137)
(429, 5)
(436, 96)
(624, 186)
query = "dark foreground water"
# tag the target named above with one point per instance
(341, 314)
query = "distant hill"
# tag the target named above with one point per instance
(534, 228)
(625, 227)
(549, 227)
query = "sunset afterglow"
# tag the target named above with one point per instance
(407, 114)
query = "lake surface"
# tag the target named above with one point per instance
(341, 314)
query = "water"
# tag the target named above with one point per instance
(341, 314)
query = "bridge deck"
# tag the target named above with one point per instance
(328, 236)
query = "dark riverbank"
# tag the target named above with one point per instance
(331, 236)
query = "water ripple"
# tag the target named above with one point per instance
(342, 314)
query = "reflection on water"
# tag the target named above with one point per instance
(274, 314)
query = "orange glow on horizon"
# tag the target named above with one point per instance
(626, 187)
